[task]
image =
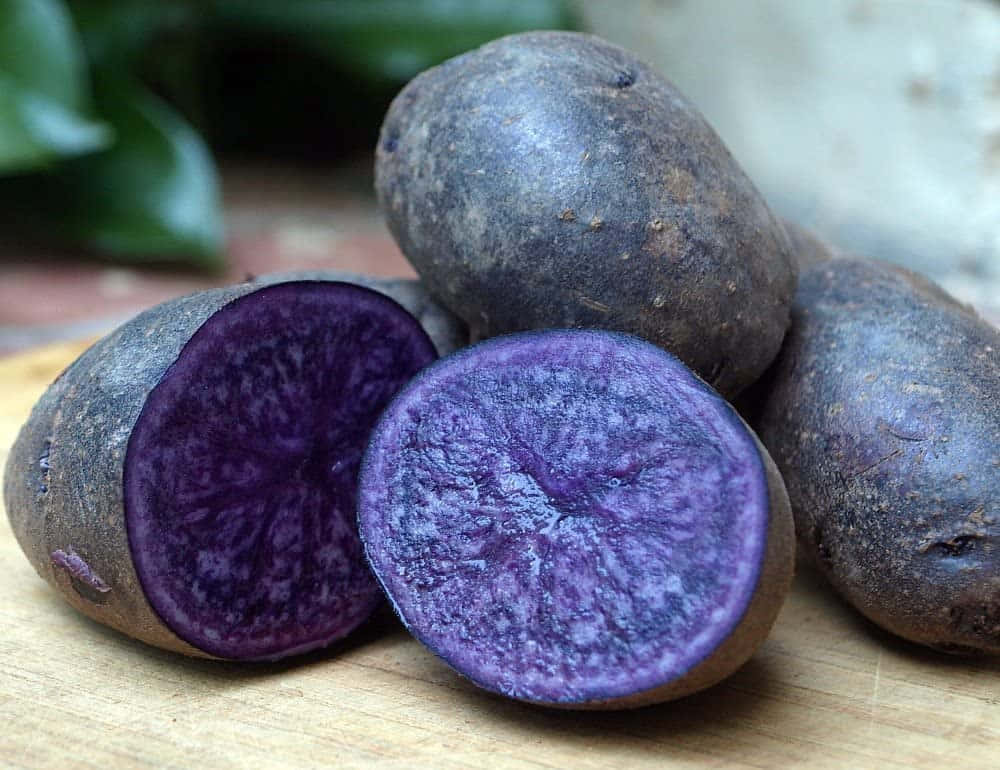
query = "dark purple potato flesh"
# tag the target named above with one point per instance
(235, 477)
(575, 519)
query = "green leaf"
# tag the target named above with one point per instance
(116, 32)
(158, 42)
(152, 196)
(44, 109)
(392, 40)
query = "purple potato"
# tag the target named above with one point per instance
(573, 518)
(883, 414)
(191, 479)
(551, 179)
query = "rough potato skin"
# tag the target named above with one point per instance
(550, 179)
(447, 331)
(63, 481)
(884, 419)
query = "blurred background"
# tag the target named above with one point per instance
(151, 148)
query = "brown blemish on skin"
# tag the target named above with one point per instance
(920, 388)
(680, 184)
(884, 427)
(568, 215)
(665, 239)
(596, 223)
(978, 517)
(593, 304)
(878, 462)
(957, 545)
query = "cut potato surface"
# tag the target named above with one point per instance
(574, 518)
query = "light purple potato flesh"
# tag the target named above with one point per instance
(191, 479)
(573, 518)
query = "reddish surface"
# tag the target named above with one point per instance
(276, 218)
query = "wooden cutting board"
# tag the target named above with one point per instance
(827, 690)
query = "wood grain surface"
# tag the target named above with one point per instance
(827, 690)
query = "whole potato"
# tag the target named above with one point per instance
(550, 179)
(883, 415)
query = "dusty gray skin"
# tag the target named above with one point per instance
(447, 331)
(67, 481)
(573, 518)
(551, 179)
(883, 416)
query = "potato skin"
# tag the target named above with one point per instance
(884, 419)
(550, 179)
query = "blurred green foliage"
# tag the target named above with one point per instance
(108, 107)
(45, 110)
